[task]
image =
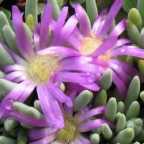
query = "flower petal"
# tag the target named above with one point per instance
(40, 133)
(50, 107)
(106, 45)
(112, 14)
(23, 42)
(119, 28)
(84, 22)
(20, 93)
(45, 140)
(84, 80)
(91, 125)
(91, 113)
(129, 51)
(60, 96)
(44, 26)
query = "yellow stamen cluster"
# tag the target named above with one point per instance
(69, 132)
(40, 68)
(89, 45)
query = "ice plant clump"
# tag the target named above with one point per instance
(102, 44)
(75, 125)
(43, 65)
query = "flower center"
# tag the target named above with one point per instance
(41, 68)
(105, 57)
(69, 132)
(89, 45)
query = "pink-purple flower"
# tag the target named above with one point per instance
(75, 125)
(43, 64)
(102, 44)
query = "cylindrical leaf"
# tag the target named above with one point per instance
(133, 32)
(106, 79)
(10, 124)
(91, 8)
(133, 110)
(101, 98)
(135, 17)
(9, 37)
(142, 95)
(95, 138)
(111, 109)
(121, 106)
(83, 99)
(30, 111)
(106, 131)
(121, 122)
(5, 57)
(31, 8)
(133, 90)
(125, 136)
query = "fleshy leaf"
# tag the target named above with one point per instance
(133, 110)
(121, 122)
(83, 99)
(133, 91)
(106, 131)
(27, 110)
(125, 136)
(31, 8)
(135, 17)
(106, 79)
(91, 8)
(101, 98)
(95, 138)
(111, 109)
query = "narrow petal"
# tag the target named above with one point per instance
(15, 67)
(91, 125)
(20, 93)
(126, 67)
(84, 22)
(119, 83)
(119, 28)
(23, 42)
(69, 26)
(62, 17)
(44, 26)
(81, 140)
(120, 72)
(14, 75)
(106, 45)
(129, 51)
(45, 140)
(84, 80)
(38, 133)
(98, 24)
(111, 15)
(27, 119)
(60, 96)
(79, 64)
(62, 52)
(58, 26)
(50, 107)
(122, 42)
(91, 113)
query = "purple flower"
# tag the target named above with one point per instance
(101, 43)
(43, 65)
(75, 125)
